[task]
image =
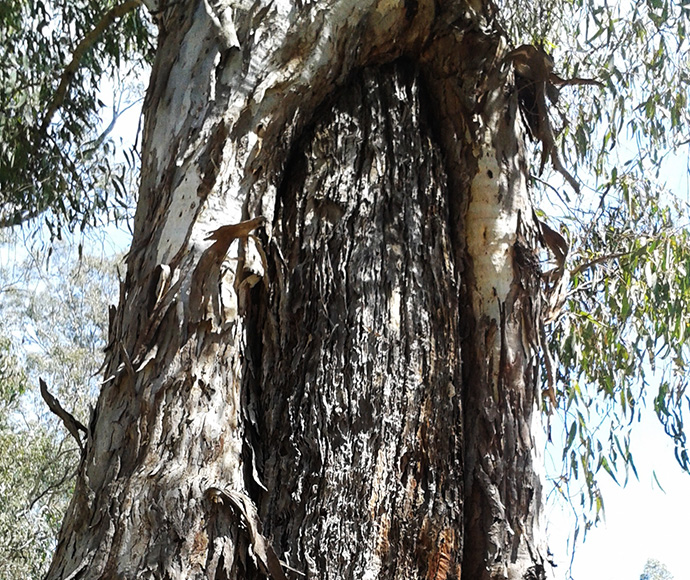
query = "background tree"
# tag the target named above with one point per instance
(254, 114)
(53, 326)
(655, 570)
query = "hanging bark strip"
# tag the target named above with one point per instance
(535, 81)
(73, 426)
(374, 398)
(270, 565)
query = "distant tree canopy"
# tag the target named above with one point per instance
(619, 319)
(655, 570)
(54, 325)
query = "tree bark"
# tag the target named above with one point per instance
(325, 357)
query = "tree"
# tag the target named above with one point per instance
(655, 570)
(310, 384)
(54, 324)
(328, 342)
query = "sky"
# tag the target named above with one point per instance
(641, 520)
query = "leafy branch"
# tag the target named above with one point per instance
(86, 43)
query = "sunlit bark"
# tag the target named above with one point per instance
(349, 388)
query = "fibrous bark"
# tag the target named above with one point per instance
(358, 405)
(344, 381)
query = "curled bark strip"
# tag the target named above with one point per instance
(71, 423)
(225, 235)
(266, 557)
(555, 242)
(207, 272)
(535, 81)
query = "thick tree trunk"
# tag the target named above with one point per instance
(350, 387)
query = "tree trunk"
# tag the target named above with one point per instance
(324, 360)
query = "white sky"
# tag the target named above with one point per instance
(642, 521)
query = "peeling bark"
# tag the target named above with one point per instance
(325, 350)
(358, 406)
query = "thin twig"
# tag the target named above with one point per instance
(599, 260)
(565, 201)
(86, 43)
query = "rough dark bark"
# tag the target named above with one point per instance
(351, 387)
(358, 404)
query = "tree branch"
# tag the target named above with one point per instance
(599, 260)
(86, 43)
(72, 424)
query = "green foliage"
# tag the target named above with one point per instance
(619, 334)
(36, 472)
(12, 382)
(621, 337)
(62, 168)
(53, 309)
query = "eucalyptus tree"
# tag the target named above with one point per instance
(54, 324)
(326, 355)
(655, 570)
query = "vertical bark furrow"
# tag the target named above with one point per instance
(489, 203)
(326, 387)
(368, 319)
